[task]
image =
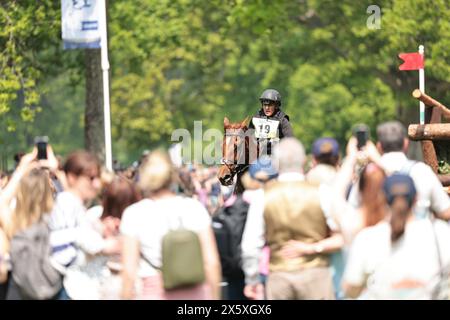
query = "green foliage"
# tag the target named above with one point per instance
(173, 62)
(25, 30)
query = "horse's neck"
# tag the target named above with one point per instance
(249, 151)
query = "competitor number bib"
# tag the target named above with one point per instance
(265, 128)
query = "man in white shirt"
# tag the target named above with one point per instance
(393, 144)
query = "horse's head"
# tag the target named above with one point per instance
(234, 150)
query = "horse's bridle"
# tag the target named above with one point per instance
(232, 166)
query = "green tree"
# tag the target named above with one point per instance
(173, 62)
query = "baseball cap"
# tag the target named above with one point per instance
(324, 146)
(262, 169)
(399, 185)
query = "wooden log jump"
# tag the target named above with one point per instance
(430, 131)
(434, 130)
(430, 102)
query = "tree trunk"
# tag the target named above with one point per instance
(94, 136)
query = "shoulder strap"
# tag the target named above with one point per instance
(149, 262)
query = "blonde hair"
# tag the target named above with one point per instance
(157, 172)
(34, 199)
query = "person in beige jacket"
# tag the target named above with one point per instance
(296, 230)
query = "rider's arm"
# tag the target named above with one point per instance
(286, 128)
(251, 125)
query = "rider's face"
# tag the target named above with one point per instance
(269, 108)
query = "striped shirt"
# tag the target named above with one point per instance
(71, 230)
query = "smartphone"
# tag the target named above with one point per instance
(361, 132)
(41, 144)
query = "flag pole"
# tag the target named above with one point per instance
(105, 71)
(422, 85)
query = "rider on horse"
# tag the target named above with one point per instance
(270, 123)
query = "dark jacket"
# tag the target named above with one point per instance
(284, 129)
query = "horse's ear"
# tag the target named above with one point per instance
(246, 122)
(226, 122)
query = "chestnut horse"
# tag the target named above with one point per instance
(238, 151)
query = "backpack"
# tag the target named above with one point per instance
(32, 269)
(228, 226)
(182, 259)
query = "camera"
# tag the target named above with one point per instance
(41, 144)
(361, 132)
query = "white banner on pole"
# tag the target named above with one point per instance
(80, 23)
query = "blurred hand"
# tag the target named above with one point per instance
(294, 249)
(28, 158)
(27, 162)
(51, 162)
(361, 156)
(372, 152)
(254, 291)
(352, 149)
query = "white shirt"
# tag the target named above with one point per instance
(430, 194)
(253, 238)
(291, 176)
(149, 220)
(408, 269)
(322, 173)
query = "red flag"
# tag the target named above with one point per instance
(412, 61)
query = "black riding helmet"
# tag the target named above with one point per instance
(271, 95)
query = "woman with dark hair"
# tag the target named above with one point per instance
(403, 258)
(82, 173)
(371, 205)
(373, 202)
(118, 195)
(72, 233)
